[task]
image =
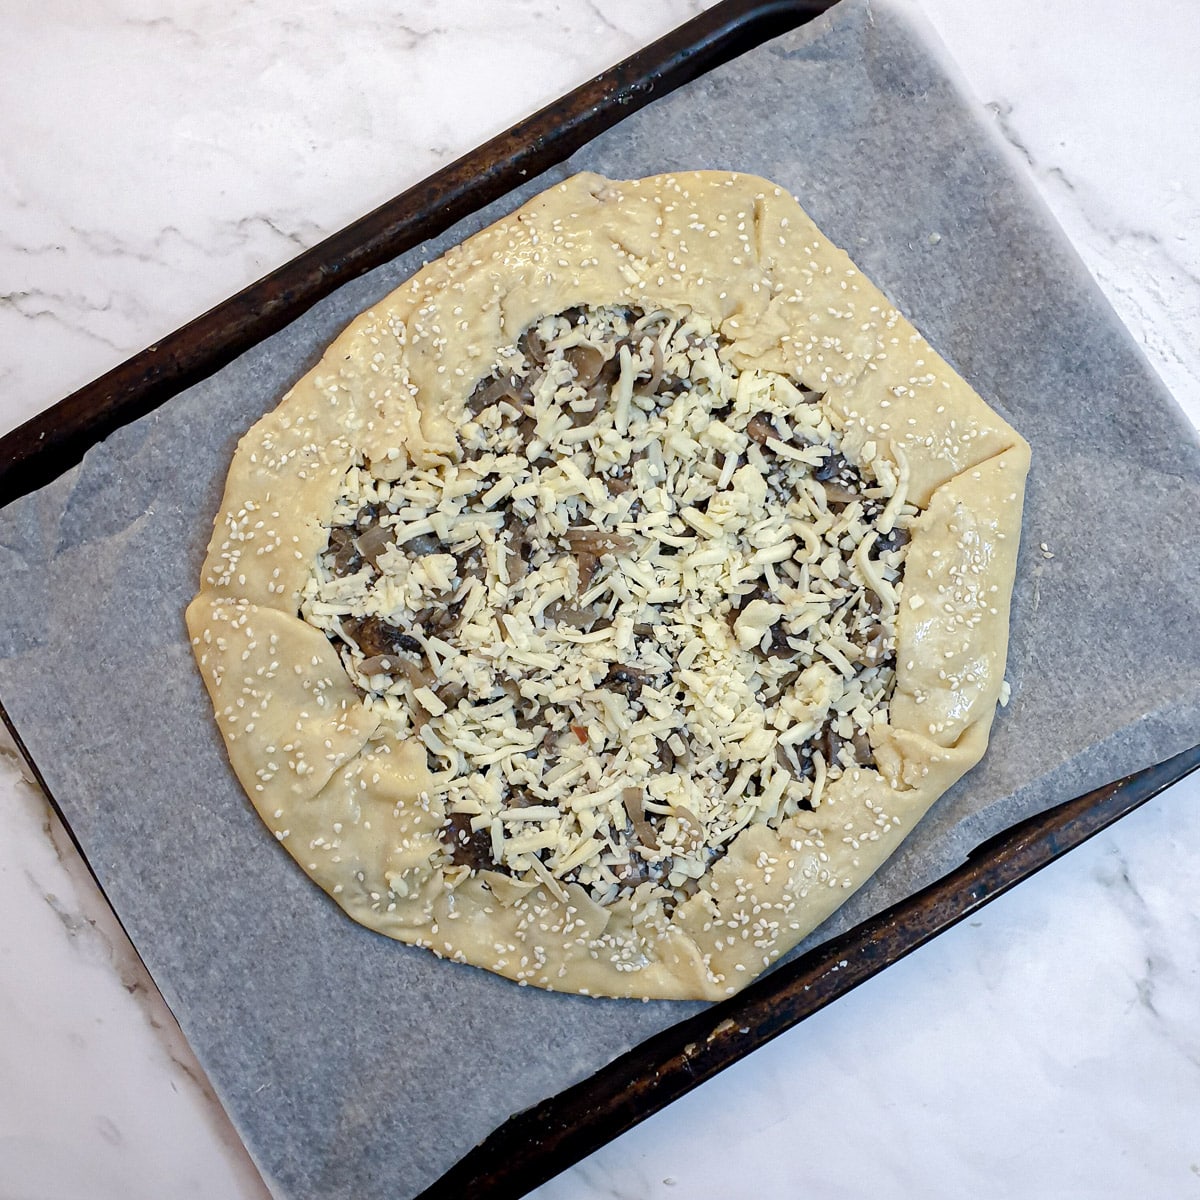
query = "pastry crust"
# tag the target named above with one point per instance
(351, 801)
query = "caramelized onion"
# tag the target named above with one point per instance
(396, 665)
(380, 664)
(656, 367)
(587, 564)
(691, 823)
(634, 802)
(836, 494)
(492, 390)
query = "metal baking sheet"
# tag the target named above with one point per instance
(356, 1067)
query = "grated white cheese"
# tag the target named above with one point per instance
(649, 602)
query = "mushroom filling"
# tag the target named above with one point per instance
(648, 602)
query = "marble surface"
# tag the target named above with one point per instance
(152, 164)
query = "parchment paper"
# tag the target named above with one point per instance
(354, 1066)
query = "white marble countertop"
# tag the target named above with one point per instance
(152, 164)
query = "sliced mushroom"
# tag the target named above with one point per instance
(834, 466)
(516, 558)
(531, 345)
(799, 770)
(468, 847)
(629, 681)
(892, 540)
(671, 386)
(760, 427)
(380, 664)
(375, 636)
(438, 619)
(373, 541)
(864, 753)
(451, 694)
(598, 541)
(666, 756)
(421, 544)
(366, 516)
(610, 372)
(577, 618)
(521, 797)
(838, 496)
(584, 413)
(586, 361)
(778, 646)
(874, 645)
(471, 564)
(829, 742)
(344, 558)
(396, 665)
(526, 429)
(632, 873)
(759, 591)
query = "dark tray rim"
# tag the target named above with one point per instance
(533, 1146)
(42, 448)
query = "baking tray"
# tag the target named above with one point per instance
(542, 1141)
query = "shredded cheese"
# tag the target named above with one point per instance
(650, 601)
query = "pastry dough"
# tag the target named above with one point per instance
(623, 697)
